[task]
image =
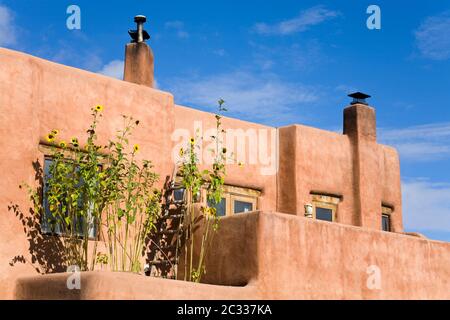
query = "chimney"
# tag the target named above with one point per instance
(139, 56)
(360, 126)
(359, 118)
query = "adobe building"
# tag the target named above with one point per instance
(312, 214)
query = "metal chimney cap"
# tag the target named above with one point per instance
(359, 97)
(139, 35)
(140, 18)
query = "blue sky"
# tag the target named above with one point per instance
(277, 63)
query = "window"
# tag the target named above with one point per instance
(242, 206)
(221, 207)
(325, 207)
(178, 194)
(386, 218)
(324, 214)
(237, 200)
(52, 225)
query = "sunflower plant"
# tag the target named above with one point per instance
(193, 180)
(133, 203)
(93, 192)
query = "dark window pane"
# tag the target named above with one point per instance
(178, 194)
(51, 224)
(324, 214)
(220, 207)
(47, 219)
(242, 206)
(385, 222)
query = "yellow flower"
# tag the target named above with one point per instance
(240, 164)
(181, 152)
(192, 141)
(55, 132)
(74, 142)
(63, 144)
(136, 148)
(99, 108)
(50, 137)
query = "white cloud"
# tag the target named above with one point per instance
(174, 24)
(178, 27)
(256, 97)
(433, 37)
(426, 205)
(420, 143)
(113, 69)
(220, 52)
(84, 59)
(7, 28)
(302, 22)
(345, 88)
(304, 56)
(182, 34)
(76, 49)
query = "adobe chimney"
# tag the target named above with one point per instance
(139, 56)
(359, 118)
(360, 126)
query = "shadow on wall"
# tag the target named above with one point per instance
(45, 250)
(160, 250)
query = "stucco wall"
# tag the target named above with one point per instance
(37, 96)
(282, 257)
(290, 257)
(364, 174)
(259, 165)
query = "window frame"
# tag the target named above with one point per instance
(45, 149)
(235, 193)
(241, 198)
(325, 202)
(386, 212)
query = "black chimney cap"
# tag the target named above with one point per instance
(359, 97)
(134, 35)
(140, 18)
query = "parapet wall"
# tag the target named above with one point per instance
(281, 257)
(289, 257)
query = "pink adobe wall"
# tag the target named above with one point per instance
(281, 257)
(390, 179)
(365, 174)
(249, 175)
(315, 160)
(290, 257)
(124, 286)
(37, 96)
